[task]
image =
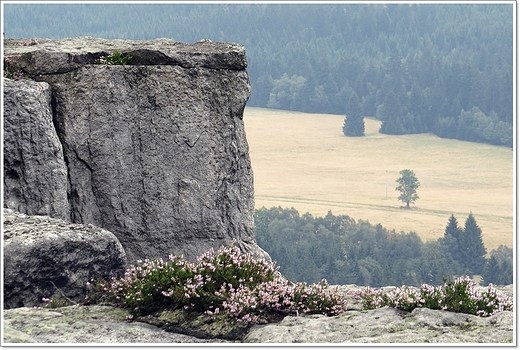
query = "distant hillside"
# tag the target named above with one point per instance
(441, 68)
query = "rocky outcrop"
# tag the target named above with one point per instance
(35, 174)
(155, 150)
(85, 325)
(388, 325)
(46, 258)
(103, 324)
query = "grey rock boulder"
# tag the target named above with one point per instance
(51, 258)
(35, 174)
(156, 150)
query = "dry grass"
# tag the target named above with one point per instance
(304, 161)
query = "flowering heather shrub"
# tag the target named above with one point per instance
(225, 282)
(455, 296)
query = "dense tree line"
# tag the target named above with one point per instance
(345, 251)
(441, 68)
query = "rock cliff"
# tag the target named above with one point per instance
(153, 151)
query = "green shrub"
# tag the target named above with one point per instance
(116, 58)
(455, 296)
(223, 282)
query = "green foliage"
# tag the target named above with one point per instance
(453, 238)
(407, 186)
(455, 296)
(338, 249)
(116, 58)
(225, 282)
(354, 124)
(474, 252)
(499, 267)
(287, 92)
(434, 264)
(344, 251)
(465, 245)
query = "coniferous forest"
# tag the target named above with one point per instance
(440, 68)
(345, 251)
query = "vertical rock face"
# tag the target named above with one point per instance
(35, 174)
(156, 149)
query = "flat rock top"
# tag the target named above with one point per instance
(27, 227)
(85, 325)
(72, 52)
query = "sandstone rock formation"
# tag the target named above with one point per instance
(155, 150)
(44, 257)
(35, 174)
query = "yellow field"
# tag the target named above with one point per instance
(304, 161)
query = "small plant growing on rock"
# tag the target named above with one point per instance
(11, 71)
(30, 42)
(225, 283)
(52, 303)
(455, 296)
(116, 58)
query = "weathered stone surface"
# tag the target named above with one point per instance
(156, 150)
(84, 325)
(45, 257)
(103, 324)
(388, 326)
(35, 174)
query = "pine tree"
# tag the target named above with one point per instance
(453, 239)
(474, 252)
(391, 114)
(354, 124)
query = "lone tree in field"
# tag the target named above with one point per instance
(354, 124)
(408, 185)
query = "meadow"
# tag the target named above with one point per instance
(304, 161)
